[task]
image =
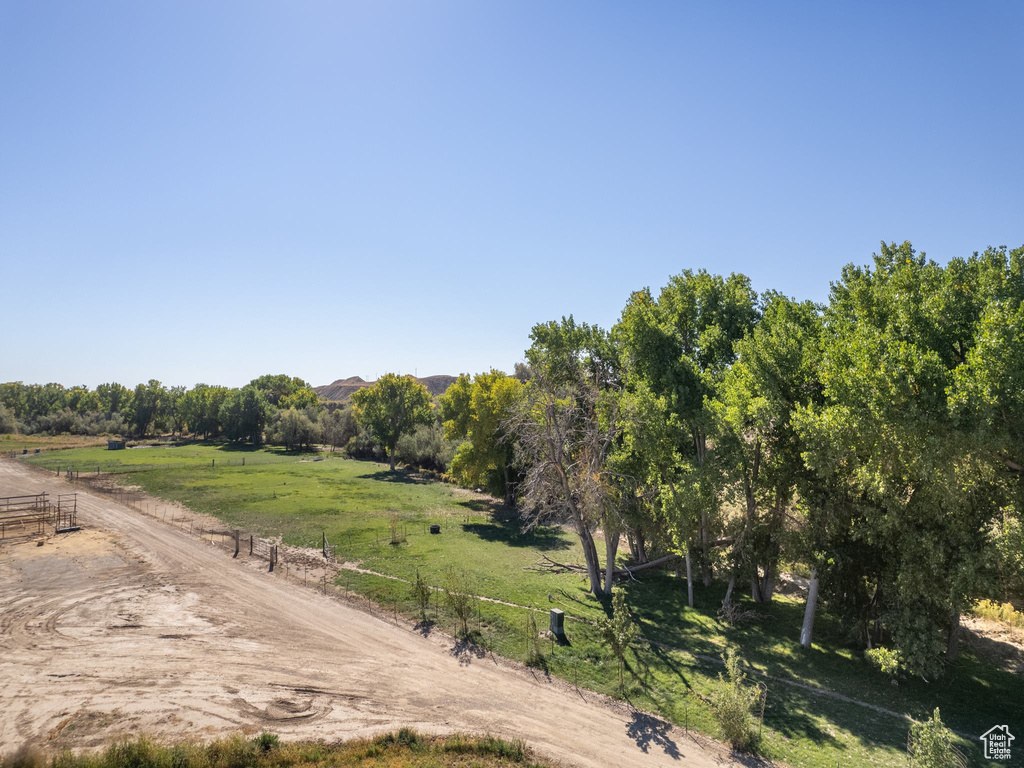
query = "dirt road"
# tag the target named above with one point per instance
(133, 626)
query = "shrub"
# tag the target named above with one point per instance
(618, 631)
(7, 421)
(931, 744)
(733, 704)
(887, 660)
(421, 594)
(1004, 612)
(457, 597)
(406, 737)
(426, 447)
(265, 742)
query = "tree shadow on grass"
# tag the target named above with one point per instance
(493, 508)
(545, 539)
(506, 526)
(398, 476)
(647, 731)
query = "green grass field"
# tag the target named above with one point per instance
(354, 503)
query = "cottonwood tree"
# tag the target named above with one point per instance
(113, 398)
(918, 495)
(146, 403)
(338, 426)
(244, 414)
(476, 411)
(681, 344)
(200, 408)
(391, 407)
(294, 428)
(565, 427)
(283, 391)
(760, 452)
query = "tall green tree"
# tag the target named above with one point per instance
(680, 345)
(146, 403)
(759, 450)
(476, 411)
(283, 391)
(917, 496)
(113, 398)
(391, 407)
(244, 414)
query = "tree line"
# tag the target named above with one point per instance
(873, 442)
(278, 409)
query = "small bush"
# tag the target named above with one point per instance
(457, 597)
(265, 742)
(734, 703)
(618, 632)
(139, 753)
(889, 661)
(406, 737)
(931, 744)
(421, 594)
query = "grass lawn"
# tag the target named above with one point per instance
(355, 504)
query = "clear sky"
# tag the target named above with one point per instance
(209, 191)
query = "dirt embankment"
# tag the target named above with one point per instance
(134, 624)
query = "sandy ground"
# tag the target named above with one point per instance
(133, 625)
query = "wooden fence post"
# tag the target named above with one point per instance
(238, 536)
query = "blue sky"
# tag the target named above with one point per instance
(199, 191)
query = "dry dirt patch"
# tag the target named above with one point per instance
(134, 626)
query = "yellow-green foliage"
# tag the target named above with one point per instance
(932, 744)
(1003, 612)
(404, 749)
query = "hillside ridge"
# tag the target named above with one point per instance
(341, 390)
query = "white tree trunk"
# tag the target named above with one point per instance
(689, 579)
(807, 631)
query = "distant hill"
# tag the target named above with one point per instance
(342, 389)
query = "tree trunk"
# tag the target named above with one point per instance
(611, 546)
(807, 630)
(689, 579)
(590, 556)
(391, 457)
(953, 646)
(508, 487)
(728, 591)
(705, 560)
(755, 586)
(641, 548)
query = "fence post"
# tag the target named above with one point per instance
(250, 546)
(237, 535)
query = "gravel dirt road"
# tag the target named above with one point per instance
(132, 625)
